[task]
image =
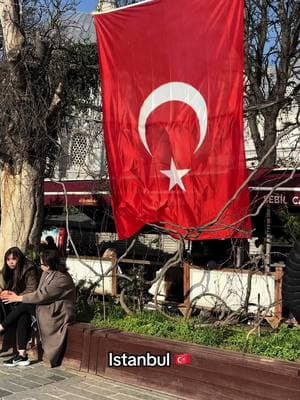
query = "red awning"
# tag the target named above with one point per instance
(284, 185)
(79, 193)
(96, 193)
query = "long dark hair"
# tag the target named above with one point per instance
(12, 277)
(53, 260)
(50, 243)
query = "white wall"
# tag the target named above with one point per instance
(288, 149)
(89, 269)
(231, 286)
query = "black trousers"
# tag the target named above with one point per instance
(20, 318)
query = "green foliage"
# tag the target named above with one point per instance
(90, 310)
(33, 255)
(136, 290)
(291, 224)
(284, 344)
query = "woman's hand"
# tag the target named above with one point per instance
(11, 297)
(5, 293)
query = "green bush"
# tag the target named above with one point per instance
(284, 344)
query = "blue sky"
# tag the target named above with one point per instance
(87, 5)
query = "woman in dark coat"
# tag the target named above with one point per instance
(291, 282)
(20, 276)
(55, 305)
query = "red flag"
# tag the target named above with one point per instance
(172, 80)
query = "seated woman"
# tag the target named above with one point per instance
(55, 305)
(20, 276)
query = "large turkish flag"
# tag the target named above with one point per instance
(172, 88)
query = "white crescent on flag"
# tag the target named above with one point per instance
(174, 91)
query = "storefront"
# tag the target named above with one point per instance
(277, 187)
(273, 192)
(275, 198)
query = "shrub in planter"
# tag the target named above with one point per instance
(284, 344)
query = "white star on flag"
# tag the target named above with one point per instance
(175, 175)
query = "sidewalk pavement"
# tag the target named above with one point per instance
(39, 382)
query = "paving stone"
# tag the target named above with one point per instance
(4, 372)
(31, 395)
(38, 379)
(70, 396)
(42, 372)
(41, 396)
(39, 382)
(99, 380)
(62, 372)
(19, 396)
(54, 390)
(104, 385)
(120, 396)
(25, 383)
(4, 393)
(11, 387)
(36, 369)
(56, 378)
(14, 372)
(87, 394)
(71, 382)
(98, 390)
(145, 394)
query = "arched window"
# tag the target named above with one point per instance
(79, 150)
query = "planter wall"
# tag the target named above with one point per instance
(213, 374)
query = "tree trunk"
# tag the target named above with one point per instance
(10, 22)
(263, 145)
(21, 201)
(270, 136)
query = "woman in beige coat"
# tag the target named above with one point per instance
(55, 305)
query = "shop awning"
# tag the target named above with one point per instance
(284, 185)
(79, 193)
